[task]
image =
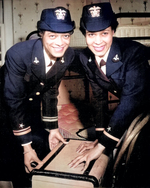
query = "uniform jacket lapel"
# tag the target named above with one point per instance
(38, 62)
(38, 65)
(56, 69)
(93, 67)
(114, 59)
(112, 65)
(59, 68)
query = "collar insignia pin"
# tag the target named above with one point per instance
(60, 14)
(62, 60)
(116, 58)
(90, 60)
(108, 129)
(36, 61)
(95, 11)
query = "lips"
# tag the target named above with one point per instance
(58, 49)
(99, 49)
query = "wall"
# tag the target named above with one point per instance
(21, 16)
(26, 13)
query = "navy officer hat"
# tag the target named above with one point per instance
(57, 20)
(97, 17)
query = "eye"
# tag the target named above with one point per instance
(105, 33)
(91, 34)
(66, 36)
(52, 36)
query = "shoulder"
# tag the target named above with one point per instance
(129, 50)
(69, 54)
(132, 53)
(70, 50)
(21, 53)
(23, 47)
(85, 55)
(126, 44)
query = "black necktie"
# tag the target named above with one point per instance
(102, 63)
(50, 64)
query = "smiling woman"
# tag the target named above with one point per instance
(33, 103)
(99, 42)
(55, 44)
(124, 74)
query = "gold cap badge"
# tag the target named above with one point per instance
(95, 11)
(60, 14)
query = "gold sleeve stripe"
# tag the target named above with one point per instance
(99, 129)
(26, 143)
(22, 131)
(49, 119)
(110, 136)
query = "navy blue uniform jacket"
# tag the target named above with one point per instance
(26, 85)
(127, 72)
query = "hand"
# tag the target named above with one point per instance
(29, 157)
(54, 138)
(86, 146)
(87, 156)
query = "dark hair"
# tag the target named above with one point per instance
(43, 31)
(33, 34)
(113, 26)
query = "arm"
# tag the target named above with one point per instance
(132, 102)
(50, 116)
(15, 96)
(87, 156)
(29, 157)
(54, 138)
(133, 99)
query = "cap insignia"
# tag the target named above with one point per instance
(95, 11)
(60, 14)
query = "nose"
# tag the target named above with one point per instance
(98, 39)
(59, 41)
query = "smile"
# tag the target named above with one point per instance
(99, 49)
(58, 49)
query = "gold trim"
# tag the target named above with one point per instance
(22, 131)
(110, 136)
(99, 129)
(49, 119)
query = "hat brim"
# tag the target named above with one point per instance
(57, 28)
(97, 25)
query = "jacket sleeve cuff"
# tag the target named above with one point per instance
(51, 125)
(108, 141)
(25, 139)
(99, 132)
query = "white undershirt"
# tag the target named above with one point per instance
(47, 61)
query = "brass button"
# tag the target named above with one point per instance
(37, 93)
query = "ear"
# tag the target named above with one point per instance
(41, 33)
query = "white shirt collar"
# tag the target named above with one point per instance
(47, 61)
(98, 59)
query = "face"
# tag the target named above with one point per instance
(99, 42)
(55, 44)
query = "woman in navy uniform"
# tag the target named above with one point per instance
(111, 65)
(33, 71)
